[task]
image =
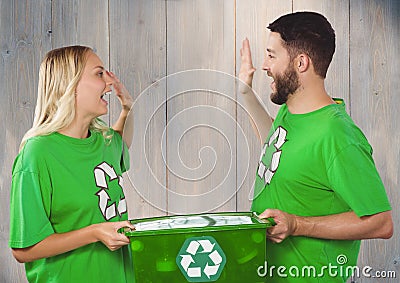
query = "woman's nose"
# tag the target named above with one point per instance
(107, 79)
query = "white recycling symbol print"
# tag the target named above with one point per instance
(201, 259)
(100, 173)
(277, 139)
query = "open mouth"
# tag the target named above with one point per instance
(104, 94)
(102, 97)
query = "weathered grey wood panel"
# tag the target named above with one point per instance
(374, 93)
(143, 41)
(23, 40)
(201, 138)
(138, 57)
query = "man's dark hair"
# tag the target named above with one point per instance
(309, 33)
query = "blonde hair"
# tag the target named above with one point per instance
(59, 74)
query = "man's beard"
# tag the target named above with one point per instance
(285, 85)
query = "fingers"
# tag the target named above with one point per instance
(110, 236)
(116, 83)
(120, 239)
(275, 238)
(283, 227)
(118, 244)
(269, 213)
(245, 52)
(120, 91)
(126, 224)
(246, 68)
(276, 234)
(113, 76)
(271, 232)
(246, 45)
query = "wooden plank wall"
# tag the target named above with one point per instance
(374, 88)
(194, 149)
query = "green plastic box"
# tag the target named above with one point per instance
(218, 247)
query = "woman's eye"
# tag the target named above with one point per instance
(100, 74)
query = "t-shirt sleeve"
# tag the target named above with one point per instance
(125, 158)
(355, 179)
(29, 223)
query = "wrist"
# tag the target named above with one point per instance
(303, 226)
(246, 88)
(124, 112)
(126, 108)
(297, 224)
(93, 231)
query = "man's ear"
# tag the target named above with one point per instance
(302, 63)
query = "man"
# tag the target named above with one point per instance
(316, 177)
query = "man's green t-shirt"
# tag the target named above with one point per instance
(316, 164)
(61, 184)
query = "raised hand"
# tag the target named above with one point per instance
(246, 68)
(122, 93)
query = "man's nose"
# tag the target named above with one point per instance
(265, 65)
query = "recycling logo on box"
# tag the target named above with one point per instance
(201, 259)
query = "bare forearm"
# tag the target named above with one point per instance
(342, 226)
(106, 232)
(124, 126)
(118, 126)
(259, 117)
(345, 226)
(56, 244)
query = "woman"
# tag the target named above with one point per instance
(67, 201)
